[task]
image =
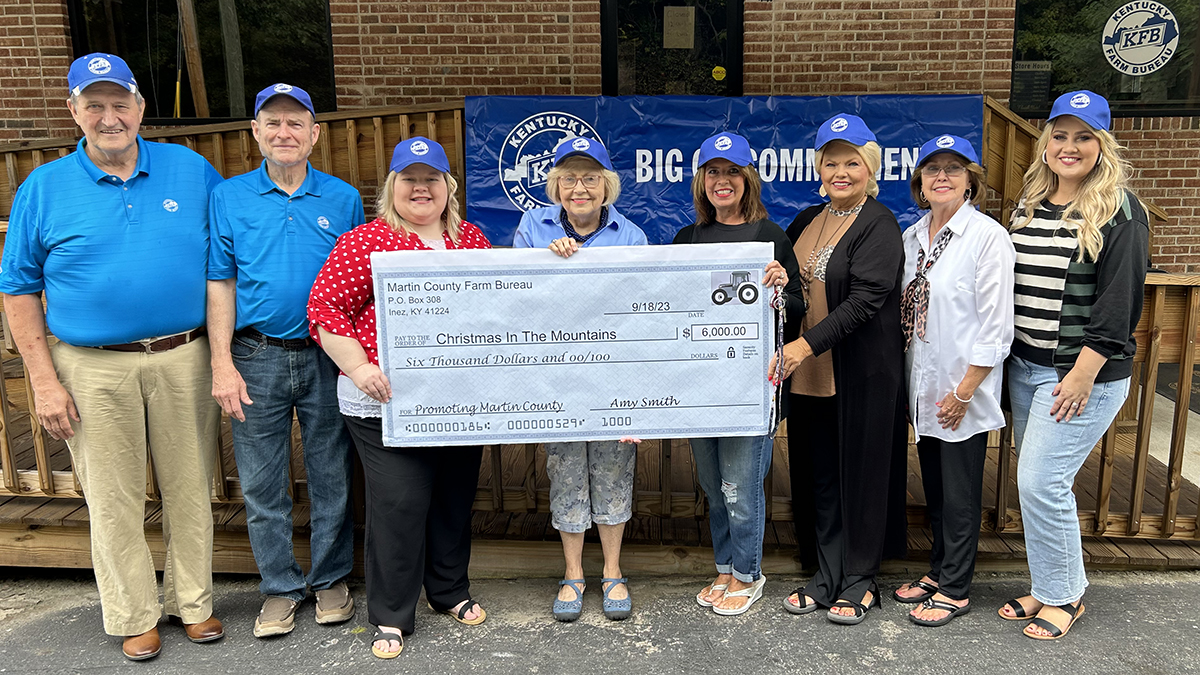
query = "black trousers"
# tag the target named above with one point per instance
(952, 474)
(418, 524)
(815, 466)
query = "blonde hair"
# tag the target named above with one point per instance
(385, 207)
(1099, 198)
(976, 179)
(612, 182)
(872, 156)
(751, 206)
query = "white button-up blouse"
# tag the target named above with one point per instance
(970, 321)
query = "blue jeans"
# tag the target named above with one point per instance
(280, 381)
(732, 471)
(1049, 455)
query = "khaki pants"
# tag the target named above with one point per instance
(126, 400)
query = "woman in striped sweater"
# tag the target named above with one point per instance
(1082, 242)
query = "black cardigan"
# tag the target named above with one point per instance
(863, 289)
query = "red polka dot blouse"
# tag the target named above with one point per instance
(343, 297)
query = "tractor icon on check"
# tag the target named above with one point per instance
(739, 285)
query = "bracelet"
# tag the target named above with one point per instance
(956, 398)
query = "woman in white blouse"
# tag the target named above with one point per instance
(957, 312)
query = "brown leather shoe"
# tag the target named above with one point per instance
(142, 647)
(206, 631)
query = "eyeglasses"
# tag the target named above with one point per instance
(952, 170)
(590, 181)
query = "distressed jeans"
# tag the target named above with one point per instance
(731, 472)
(1049, 455)
(280, 381)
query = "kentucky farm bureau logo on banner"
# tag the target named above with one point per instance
(654, 142)
(528, 154)
(1140, 38)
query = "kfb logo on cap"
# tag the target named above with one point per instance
(527, 154)
(170, 205)
(99, 65)
(1080, 101)
(418, 148)
(323, 222)
(945, 142)
(723, 143)
(1140, 38)
(283, 88)
(838, 125)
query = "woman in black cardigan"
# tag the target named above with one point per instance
(845, 425)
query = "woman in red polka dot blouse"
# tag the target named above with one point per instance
(418, 499)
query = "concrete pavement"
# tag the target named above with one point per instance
(1136, 622)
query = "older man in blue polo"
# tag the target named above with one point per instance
(272, 229)
(115, 236)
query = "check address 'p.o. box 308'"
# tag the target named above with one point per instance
(522, 346)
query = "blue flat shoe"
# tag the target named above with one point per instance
(569, 610)
(616, 610)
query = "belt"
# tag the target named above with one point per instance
(157, 345)
(290, 345)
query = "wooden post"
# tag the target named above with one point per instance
(497, 476)
(352, 151)
(231, 37)
(191, 50)
(40, 456)
(382, 159)
(1187, 359)
(1002, 472)
(531, 477)
(218, 142)
(1108, 447)
(1137, 493)
(323, 144)
(8, 463)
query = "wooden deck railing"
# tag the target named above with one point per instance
(355, 146)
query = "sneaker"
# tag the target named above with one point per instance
(334, 604)
(277, 617)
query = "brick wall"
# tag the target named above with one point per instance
(845, 47)
(1165, 152)
(35, 52)
(419, 52)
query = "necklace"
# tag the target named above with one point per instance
(848, 212)
(818, 259)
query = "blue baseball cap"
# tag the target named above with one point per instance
(726, 145)
(848, 128)
(588, 147)
(419, 150)
(948, 143)
(1088, 106)
(295, 93)
(99, 67)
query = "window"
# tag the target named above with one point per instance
(1141, 55)
(683, 47)
(237, 46)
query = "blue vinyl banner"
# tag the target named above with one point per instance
(653, 141)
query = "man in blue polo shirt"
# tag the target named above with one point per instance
(116, 237)
(272, 229)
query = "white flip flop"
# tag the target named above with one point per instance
(754, 592)
(713, 587)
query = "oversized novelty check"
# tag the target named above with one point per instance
(520, 345)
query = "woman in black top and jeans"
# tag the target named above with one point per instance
(727, 190)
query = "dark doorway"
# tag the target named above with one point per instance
(676, 47)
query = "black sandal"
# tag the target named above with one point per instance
(802, 609)
(929, 589)
(860, 610)
(1074, 612)
(954, 610)
(1019, 613)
